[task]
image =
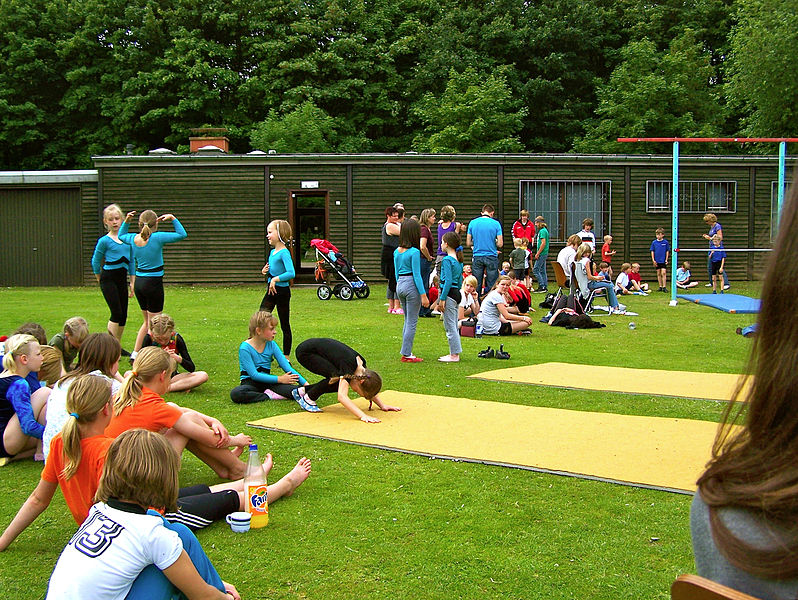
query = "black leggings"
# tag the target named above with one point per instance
(318, 364)
(113, 284)
(282, 300)
(198, 507)
(149, 293)
(250, 391)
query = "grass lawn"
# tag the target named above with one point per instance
(378, 524)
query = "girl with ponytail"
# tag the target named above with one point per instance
(148, 253)
(140, 404)
(280, 271)
(342, 368)
(99, 355)
(76, 458)
(78, 455)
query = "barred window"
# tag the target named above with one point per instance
(694, 196)
(565, 204)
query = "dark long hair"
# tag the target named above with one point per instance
(755, 467)
(410, 234)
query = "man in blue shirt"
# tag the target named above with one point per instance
(485, 237)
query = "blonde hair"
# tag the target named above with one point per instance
(574, 239)
(283, 229)
(519, 242)
(111, 209)
(86, 398)
(148, 223)
(141, 467)
(710, 218)
(426, 214)
(524, 213)
(162, 324)
(659, 230)
(77, 328)
(607, 238)
(17, 345)
(625, 266)
(149, 362)
(500, 279)
(583, 250)
(448, 213)
(259, 320)
(470, 280)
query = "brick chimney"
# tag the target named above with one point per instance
(209, 136)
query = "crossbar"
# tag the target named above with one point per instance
(723, 249)
(697, 139)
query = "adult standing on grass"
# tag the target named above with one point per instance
(485, 237)
(744, 514)
(409, 287)
(715, 228)
(427, 247)
(390, 242)
(148, 246)
(112, 262)
(541, 254)
(446, 224)
(342, 368)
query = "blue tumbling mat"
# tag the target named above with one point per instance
(730, 303)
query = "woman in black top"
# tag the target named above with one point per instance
(342, 368)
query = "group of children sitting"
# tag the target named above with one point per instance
(113, 445)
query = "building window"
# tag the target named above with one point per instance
(774, 205)
(565, 204)
(694, 196)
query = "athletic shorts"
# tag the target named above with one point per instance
(716, 267)
(662, 265)
(3, 452)
(149, 293)
(505, 329)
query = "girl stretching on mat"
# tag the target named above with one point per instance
(125, 549)
(112, 262)
(451, 280)
(79, 454)
(342, 368)
(744, 514)
(148, 251)
(140, 404)
(255, 357)
(280, 271)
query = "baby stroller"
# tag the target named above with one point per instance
(331, 265)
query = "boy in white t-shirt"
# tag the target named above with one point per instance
(622, 283)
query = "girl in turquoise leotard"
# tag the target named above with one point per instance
(280, 271)
(148, 252)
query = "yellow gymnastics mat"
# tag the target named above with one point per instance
(680, 384)
(653, 452)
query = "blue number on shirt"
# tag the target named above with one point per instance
(94, 543)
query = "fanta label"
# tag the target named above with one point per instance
(258, 500)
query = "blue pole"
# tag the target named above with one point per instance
(675, 222)
(782, 156)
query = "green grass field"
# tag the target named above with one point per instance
(377, 524)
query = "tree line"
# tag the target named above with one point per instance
(87, 77)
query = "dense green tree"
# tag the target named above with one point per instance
(475, 113)
(763, 66)
(655, 94)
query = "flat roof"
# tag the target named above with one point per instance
(74, 176)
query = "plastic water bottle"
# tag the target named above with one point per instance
(478, 330)
(255, 486)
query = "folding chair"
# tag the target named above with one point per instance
(585, 299)
(561, 278)
(693, 587)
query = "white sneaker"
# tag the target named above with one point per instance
(436, 312)
(726, 287)
(708, 285)
(621, 307)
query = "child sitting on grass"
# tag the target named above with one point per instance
(162, 333)
(140, 404)
(255, 357)
(79, 453)
(125, 548)
(469, 301)
(68, 342)
(634, 279)
(683, 280)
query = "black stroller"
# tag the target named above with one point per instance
(331, 264)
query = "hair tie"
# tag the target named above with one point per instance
(458, 249)
(133, 372)
(76, 415)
